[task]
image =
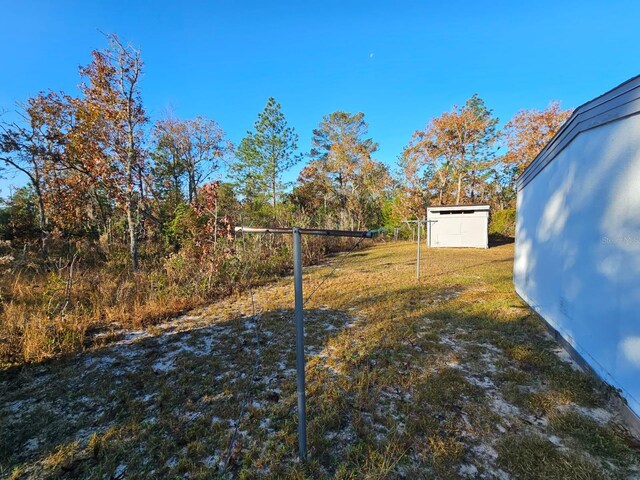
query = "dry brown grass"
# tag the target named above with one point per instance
(447, 377)
(39, 320)
(43, 315)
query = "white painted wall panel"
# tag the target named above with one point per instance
(458, 230)
(577, 260)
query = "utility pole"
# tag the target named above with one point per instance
(299, 311)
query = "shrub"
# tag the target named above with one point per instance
(503, 222)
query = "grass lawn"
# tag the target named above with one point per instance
(447, 377)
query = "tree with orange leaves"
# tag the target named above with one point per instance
(526, 134)
(457, 149)
(34, 149)
(112, 111)
(351, 182)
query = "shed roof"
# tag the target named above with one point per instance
(619, 102)
(458, 207)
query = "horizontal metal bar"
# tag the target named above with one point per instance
(337, 233)
(309, 231)
(263, 230)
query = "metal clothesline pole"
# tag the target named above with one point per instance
(419, 225)
(299, 318)
(429, 228)
(299, 310)
(418, 252)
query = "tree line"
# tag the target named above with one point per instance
(102, 176)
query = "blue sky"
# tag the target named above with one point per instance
(399, 62)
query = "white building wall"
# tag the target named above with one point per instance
(577, 260)
(469, 230)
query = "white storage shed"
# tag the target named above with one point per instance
(577, 260)
(458, 226)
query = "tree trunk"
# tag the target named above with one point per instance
(473, 185)
(193, 189)
(273, 197)
(215, 227)
(131, 203)
(109, 234)
(133, 239)
(459, 190)
(132, 160)
(42, 220)
(176, 187)
(102, 227)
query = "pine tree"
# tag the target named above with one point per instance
(264, 155)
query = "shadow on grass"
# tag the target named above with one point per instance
(497, 239)
(405, 377)
(162, 405)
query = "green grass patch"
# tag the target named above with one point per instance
(588, 435)
(531, 457)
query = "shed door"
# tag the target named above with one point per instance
(448, 231)
(474, 231)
